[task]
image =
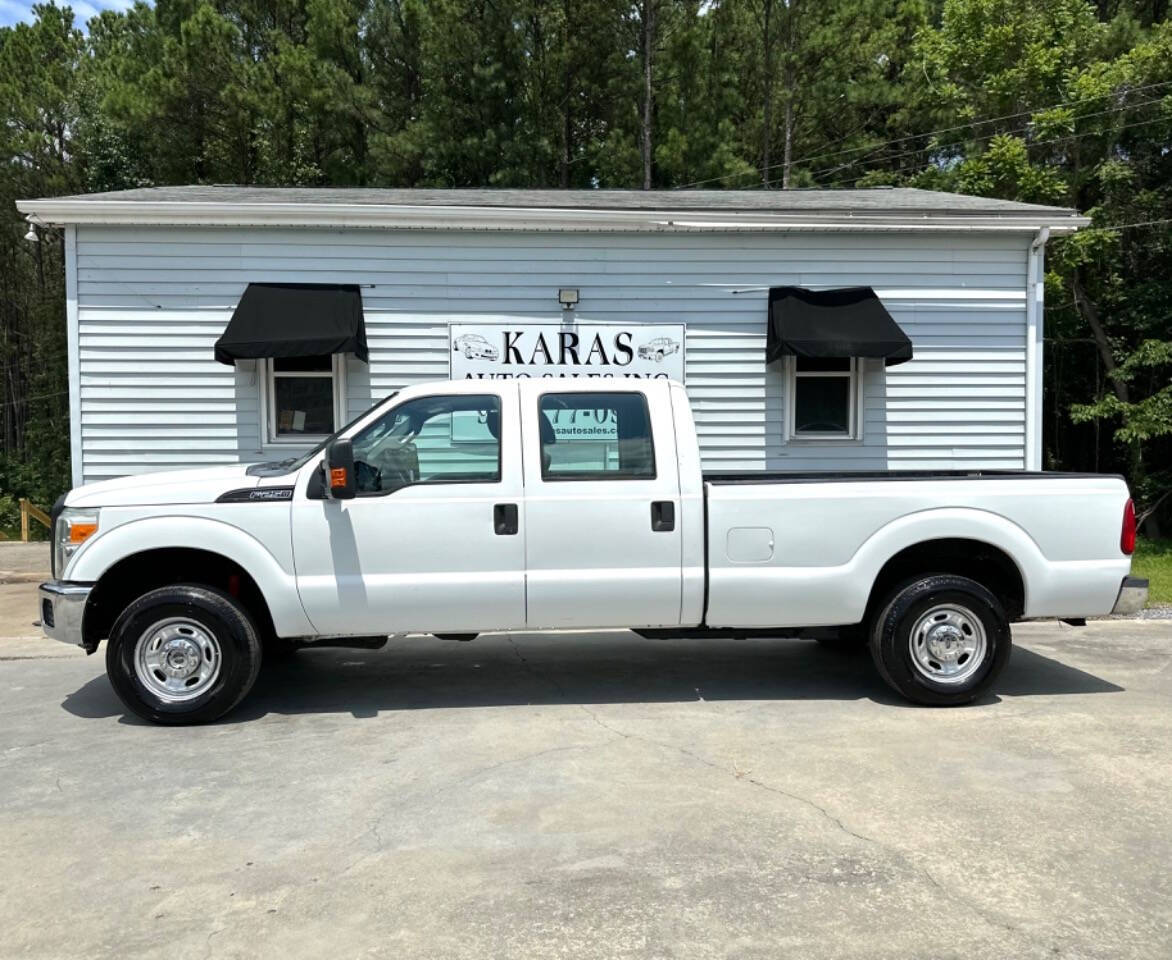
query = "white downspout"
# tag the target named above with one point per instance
(1035, 295)
(73, 343)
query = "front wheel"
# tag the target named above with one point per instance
(183, 655)
(941, 640)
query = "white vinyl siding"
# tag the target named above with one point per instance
(153, 300)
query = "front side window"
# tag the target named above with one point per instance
(440, 439)
(595, 436)
(823, 399)
(302, 398)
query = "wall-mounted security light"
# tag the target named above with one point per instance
(32, 236)
(568, 297)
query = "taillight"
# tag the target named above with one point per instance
(1127, 537)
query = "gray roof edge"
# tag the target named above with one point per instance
(907, 199)
(544, 209)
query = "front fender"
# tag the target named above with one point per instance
(278, 585)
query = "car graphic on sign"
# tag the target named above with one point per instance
(474, 347)
(658, 348)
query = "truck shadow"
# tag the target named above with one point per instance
(421, 673)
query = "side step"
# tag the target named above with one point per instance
(357, 643)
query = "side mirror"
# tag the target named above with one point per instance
(341, 482)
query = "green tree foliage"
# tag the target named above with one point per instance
(1052, 101)
(39, 66)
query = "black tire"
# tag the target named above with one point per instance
(891, 640)
(227, 623)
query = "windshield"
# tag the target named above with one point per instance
(276, 468)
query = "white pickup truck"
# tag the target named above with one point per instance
(494, 505)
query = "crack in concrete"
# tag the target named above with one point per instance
(989, 918)
(984, 914)
(13, 658)
(208, 942)
(536, 674)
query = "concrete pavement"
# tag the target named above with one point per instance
(23, 562)
(596, 796)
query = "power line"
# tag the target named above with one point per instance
(31, 360)
(43, 396)
(1035, 143)
(1128, 226)
(1038, 143)
(916, 136)
(1009, 116)
(934, 133)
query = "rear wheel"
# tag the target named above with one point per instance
(183, 655)
(941, 640)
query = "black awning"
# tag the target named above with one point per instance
(295, 320)
(850, 322)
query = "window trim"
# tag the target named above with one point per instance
(854, 402)
(596, 475)
(268, 404)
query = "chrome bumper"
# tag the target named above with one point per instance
(1133, 596)
(62, 607)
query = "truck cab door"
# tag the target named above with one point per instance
(433, 540)
(602, 505)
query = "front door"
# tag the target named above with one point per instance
(433, 542)
(603, 542)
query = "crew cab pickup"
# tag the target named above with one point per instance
(500, 505)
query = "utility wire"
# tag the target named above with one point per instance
(1036, 143)
(1129, 226)
(871, 148)
(990, 136)
(986, 136)
(43, 396)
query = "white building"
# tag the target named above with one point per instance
(534, 282)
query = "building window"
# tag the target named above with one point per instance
(303, 397)
(823, 399)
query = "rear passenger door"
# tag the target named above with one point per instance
(603, 544)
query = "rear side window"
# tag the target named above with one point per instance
(595, 436)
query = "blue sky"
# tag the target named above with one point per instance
(13, 11)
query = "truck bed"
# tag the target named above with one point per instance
(807, 549)
(828, 476)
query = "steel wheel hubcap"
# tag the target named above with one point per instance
(177, 659)
(948, 644)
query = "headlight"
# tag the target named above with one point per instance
(74, 527)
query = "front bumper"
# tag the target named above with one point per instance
(1133, 596)
(62, 608)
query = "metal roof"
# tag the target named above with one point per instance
(892, 207)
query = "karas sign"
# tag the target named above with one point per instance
(500, 351)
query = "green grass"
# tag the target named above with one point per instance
(1153, 559)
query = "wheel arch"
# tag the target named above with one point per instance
(138, 573)
(141, 555)
(977, 544)
(978, 560)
